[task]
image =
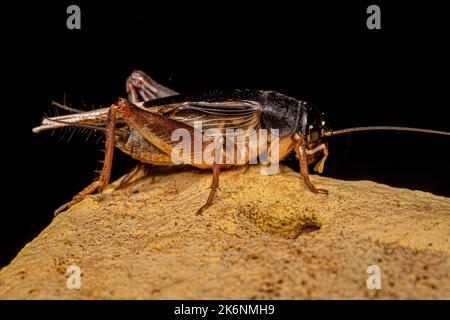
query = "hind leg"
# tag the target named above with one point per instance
(140, 87)
(105, 174)
(140, 171)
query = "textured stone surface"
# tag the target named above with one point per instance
(264, 237)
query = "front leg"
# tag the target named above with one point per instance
(302, 155)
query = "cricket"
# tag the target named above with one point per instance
(143, 127)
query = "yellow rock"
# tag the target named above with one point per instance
(265, 237)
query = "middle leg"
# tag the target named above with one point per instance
(214, 187)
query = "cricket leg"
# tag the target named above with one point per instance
(140, 85)
(321, 164)
(157, 130)
(302, 155)
(214, 186)
(105, 174)
(130, 175)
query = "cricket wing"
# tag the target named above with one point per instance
(238, 118)
(237, 121)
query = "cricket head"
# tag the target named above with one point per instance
(314, 125)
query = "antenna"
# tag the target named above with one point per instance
(383, 128)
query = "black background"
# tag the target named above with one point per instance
(322, 53)
(164, 309)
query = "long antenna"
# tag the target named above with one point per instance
(383, 128)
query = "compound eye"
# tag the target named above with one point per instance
(311, 127)
(314, 135)
(322, 123)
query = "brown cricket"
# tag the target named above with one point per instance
(143, 127)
